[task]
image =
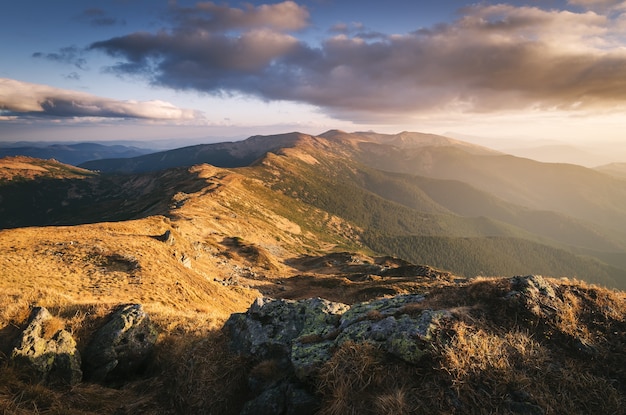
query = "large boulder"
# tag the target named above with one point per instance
(306, 331)
(304, 334)
(121, 347)
(51, 355)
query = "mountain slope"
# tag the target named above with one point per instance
(21, 168)
(327, 182)
(573, 190)
(615, 169)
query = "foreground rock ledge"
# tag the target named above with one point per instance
(306, 331)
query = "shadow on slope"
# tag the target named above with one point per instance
(45, 201)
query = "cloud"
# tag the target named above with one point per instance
(19, 99)
(71, 55)
(98, 17)
(209, 16)
(596, 3)
(492, 58)
(72, 76)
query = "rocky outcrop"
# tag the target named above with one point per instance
(167, 237)
(120, 348)
(303, 334)
(51, 355)
(306, 331)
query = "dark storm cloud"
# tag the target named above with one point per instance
(492, 58)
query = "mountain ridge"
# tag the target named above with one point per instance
(333, 172)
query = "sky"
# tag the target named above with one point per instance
(79, 70)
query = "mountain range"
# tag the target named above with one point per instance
(429, 199)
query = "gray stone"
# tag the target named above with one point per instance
(304, 334)
(54, 359)
(306, 331)
(269, 327)
(120, 347)
(536, 295)
(384, 306)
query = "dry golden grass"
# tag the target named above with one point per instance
(347, 379)
(203, 376)
(80, 273)
(22, 167)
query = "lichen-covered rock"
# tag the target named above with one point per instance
(383, 306)
(403, 336)
(304, 334)
(54, 358)
(269, 327)
(120, 347)
(306, 331)
(535, 294)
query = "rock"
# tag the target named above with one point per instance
(54, 358)
(269, 402)
(300, 336)
(306, 331)
(269, 327)
(384, 306)
(186, 261)
(536, 295)
(167, 237)
(120, 348)
(285, 398)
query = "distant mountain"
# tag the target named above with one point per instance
(615, 169)
(73, 154)
(573, 190)
(228, 154)
(589, 154)
(561, 153)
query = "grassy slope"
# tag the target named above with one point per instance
(22, 169)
